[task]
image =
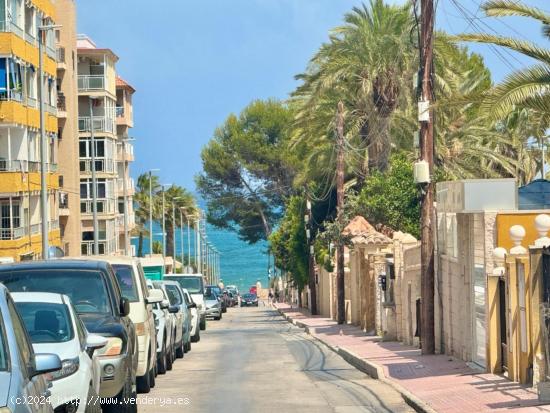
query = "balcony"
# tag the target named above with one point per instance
(104, 206)
(130, 186)
(102, 165)
(61, 102)
(7, 26)
(19, 166)
(64, 204)
(104, 247)
(90, 83)
(120, 111)
(101, 124)
(131, 221)
(60, 55)
(125, 152)
(11, 234)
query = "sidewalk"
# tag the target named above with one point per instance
(429, 383)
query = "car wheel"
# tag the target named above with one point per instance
(188, 346)
(161, 360)
(170, 358)
(126, 399)
(144, 382)
(202, 324)
(224, 310)
(196, 337)
(152, 379)
(93, 405)
(180, 351)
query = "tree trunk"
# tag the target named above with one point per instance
(170, 240)
(140, 244)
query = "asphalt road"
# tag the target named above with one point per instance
(254, 361)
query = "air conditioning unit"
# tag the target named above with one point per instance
(421, 172)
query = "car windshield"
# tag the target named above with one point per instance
(193, 284)
(86, 289)
(249, 296)
(125, 276)
(46, 322)
(209, 294)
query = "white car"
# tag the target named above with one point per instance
(195, 285)
(131, 279)
(195, 319)
(54, 327)
(164, 325)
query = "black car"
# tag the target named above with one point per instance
(249, 299)
(97, 298)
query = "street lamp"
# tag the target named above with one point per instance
(164, 221)
(177, 198)
(43, 149)
(151, 209)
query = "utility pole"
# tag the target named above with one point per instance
(311, 261)
(427, 335)
(340, 286)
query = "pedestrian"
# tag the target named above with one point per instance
(270, 297)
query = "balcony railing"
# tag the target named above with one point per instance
(32, 102)
(19, 166)
(61, 102)
(91, 82)
(7, 234)
(104, 206)
(120, 111)
(8, 26)
(101, 165)
(101, 124)
(104, 247)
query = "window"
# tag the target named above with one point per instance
(46, 322)
(85, 148)
(86, 289)
(174, 295)
(23, 345)
(126, 281)
(86, 188)
(7, 220)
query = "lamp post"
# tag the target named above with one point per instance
(164, 221)
(43, 150)
(151, 209)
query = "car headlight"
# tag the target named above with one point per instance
(68, 367)
(140, 329)
(113, 347)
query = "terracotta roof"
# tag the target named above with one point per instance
(120, 82)
(362, 232)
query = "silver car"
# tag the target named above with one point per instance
(213, 304)
(23, 383)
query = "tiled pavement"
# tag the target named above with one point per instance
(443, 383)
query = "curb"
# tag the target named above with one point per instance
(369, 368)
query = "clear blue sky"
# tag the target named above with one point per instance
(195, 61)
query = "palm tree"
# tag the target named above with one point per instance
(142, 203)
(523, 89)
(368, 64)
(179, 198)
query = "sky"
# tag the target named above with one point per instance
(195, 62)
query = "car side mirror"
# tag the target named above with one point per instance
(192, 305)
(164, 304)
(45, 363)
(173, 309)
(155, 296)
(94, 342)
(124, 307)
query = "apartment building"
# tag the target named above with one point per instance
(125, 155)
(97, 114)
(67, 110)
(20, 212)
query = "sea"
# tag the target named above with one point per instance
(241, 264)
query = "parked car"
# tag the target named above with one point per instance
(233, 294)
(224, 300)
(54, 327)
(131, 279)
(194, 284)
(213, 305)
(175, 295)
(22, 371)
(164, 325)
(176, 332)
(195, 319)
(95, 293)
(248, 300)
